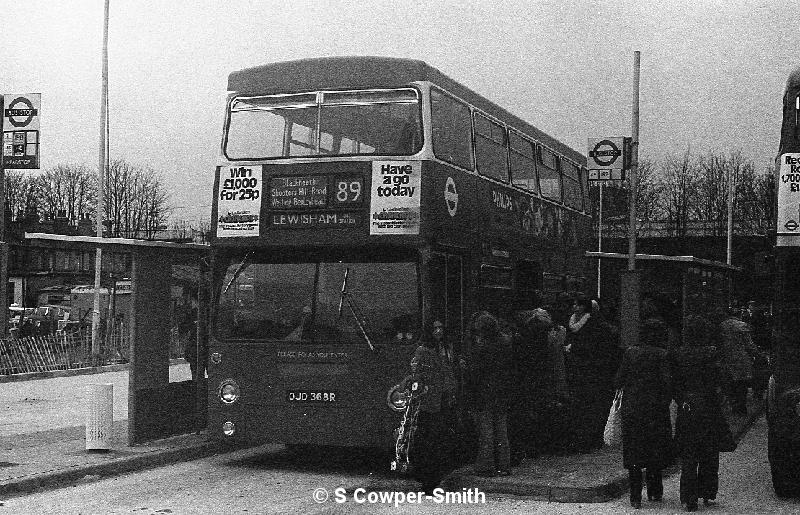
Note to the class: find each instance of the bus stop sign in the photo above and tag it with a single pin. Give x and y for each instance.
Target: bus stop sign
(606, 160)
(21, 130)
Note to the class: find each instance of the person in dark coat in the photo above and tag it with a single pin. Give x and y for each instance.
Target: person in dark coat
(588, 351)
(644, 379)
(696, 379)
(735, 350)
(490, 369)
(534, 386)
(429, 456)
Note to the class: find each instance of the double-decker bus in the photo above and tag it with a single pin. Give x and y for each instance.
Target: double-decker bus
(783, 392)
(357, 200)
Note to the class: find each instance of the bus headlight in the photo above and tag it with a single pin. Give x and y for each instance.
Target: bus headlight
(228, 391)
(396, 399)
(228, 428)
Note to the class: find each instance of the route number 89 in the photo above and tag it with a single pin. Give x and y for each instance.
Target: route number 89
(348, 191)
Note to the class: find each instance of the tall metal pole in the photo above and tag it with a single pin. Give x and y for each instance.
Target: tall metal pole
(634, 164)
(599, 239)
(731, 191)
(729, 252)
(101, 172)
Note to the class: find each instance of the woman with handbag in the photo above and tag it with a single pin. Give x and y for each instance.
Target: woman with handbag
(700, 425)
(644, 379)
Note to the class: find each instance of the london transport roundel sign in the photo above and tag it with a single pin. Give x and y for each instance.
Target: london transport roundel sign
(451, 196)
(605, 153)
(20, 112)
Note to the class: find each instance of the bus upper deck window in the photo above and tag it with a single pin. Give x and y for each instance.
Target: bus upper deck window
(325, 123)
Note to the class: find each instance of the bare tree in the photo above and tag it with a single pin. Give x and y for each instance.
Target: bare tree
(679, 183)
(137, 204)
(649, 194)
(755, 202)
(20, 193)
(68, 188)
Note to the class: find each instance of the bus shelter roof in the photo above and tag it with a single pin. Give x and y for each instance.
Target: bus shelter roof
(690, 260)
(130, 243)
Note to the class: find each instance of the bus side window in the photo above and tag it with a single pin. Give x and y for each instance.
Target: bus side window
(491, 148)
(549, 178)
(451, 125)
(522, 162)
(571, 179)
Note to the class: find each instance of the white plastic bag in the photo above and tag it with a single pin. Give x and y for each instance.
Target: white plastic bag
(612, 435)
(673, 415)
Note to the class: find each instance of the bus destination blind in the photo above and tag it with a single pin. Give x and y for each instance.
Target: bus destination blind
(310, 201)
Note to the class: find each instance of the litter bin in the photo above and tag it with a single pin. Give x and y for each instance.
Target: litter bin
(99, 416)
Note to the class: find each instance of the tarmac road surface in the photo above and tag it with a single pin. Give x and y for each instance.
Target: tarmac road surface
(268, 479)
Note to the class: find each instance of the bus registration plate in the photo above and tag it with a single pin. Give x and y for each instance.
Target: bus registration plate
(310, 396)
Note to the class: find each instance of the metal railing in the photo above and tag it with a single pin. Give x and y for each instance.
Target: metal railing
(65, 350)
(60, 351)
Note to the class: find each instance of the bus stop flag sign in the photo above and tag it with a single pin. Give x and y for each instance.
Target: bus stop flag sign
(788, 227)
(605, 161)
(21, 130)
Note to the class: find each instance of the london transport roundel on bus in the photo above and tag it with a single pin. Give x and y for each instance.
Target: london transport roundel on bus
(451, 196)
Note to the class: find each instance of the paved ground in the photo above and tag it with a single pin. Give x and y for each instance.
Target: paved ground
(58, 402)
(42, 441)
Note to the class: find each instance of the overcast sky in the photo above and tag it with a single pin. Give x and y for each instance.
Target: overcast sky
(712, 73)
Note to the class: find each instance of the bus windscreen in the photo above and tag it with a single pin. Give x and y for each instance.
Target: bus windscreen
(312, 302)
(385, 122)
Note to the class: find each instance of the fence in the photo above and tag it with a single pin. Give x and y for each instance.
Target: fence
(60, 351)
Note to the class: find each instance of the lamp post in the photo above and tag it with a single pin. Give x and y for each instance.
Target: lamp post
(101, 172)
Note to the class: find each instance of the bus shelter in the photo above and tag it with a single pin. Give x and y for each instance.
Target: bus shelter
(675, 286)
(157, 406)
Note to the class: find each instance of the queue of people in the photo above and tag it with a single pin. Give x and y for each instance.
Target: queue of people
(537, 384)
(543, 384)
